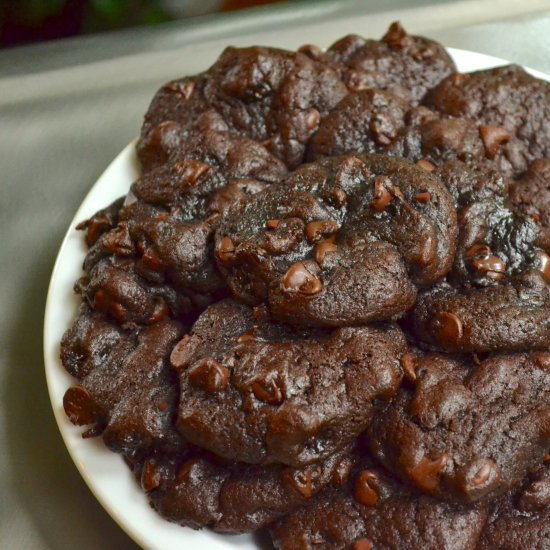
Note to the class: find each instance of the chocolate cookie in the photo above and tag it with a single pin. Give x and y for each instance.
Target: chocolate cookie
(521, 520)
(345, 241)
(501, 265)
(376, 121)
(158, 259)
(126, 390)
(273, 96)
(373, 511)
(367, 121)
(259, 392)
(113, 287)
(208, 153)
(531, 193)
(175, 108)
(198, 490)
(466, 431)
(509, 317)
(407, 66)
(509, 105)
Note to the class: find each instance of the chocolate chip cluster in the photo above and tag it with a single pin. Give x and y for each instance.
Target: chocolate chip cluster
(324, 306)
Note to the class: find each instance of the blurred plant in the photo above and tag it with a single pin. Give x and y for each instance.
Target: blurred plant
(23, 21)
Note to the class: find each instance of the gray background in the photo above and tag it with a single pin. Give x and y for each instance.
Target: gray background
(66, 110)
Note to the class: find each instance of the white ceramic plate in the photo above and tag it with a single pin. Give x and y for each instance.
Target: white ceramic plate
(105, 473)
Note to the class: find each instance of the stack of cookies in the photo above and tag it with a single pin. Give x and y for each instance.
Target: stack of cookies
(324, 307)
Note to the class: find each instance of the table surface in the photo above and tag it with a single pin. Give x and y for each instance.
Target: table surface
(66, 110)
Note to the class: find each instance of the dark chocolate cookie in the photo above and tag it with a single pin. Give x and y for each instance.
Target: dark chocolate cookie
(509, 317)
(198, 489)
(367, 121)
(158, 258)
(378, 122)
(344, 241)
(531, 193)
(466, 431)
(407, 66)
(177, 106)
(273, 96)
(509, 105)
(521, 520)
(259, 392)
(225, 155)
(374, 512)
(501, 266)
(126, 390)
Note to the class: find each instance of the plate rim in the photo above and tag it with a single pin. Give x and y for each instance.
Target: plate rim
(54, 369)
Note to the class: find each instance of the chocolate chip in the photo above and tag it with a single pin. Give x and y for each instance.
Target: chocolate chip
(478, 251)
(426, 165)
(395, 36)
(383, 128)
(185, 469)
(95, 226)
(484, 473)
(267, 390)
(341, 472)
(180, 355)
(299, 279)
(161, 131)
(363, 544)
(322, 249)
(543, 261)
(150, 477)
(102, 301)
(492, 267)
(493, 137)
(209, 375)
(192, 170)
(426, 472)
(300, 481)
(315, 231)
(79, 406)
(160, 311)
(186, 89)
(408, 364)
(457, 79)
(247, 336)
(424, 252)
(338, 197)
(365, 490)
(382, 196)
(269, 143)
(272, 224)
(118, 241)
(424, 197)
(312, 51)
(162, 406)
(313, 117)
(226, 250)
(150, 262)
(449, 327)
